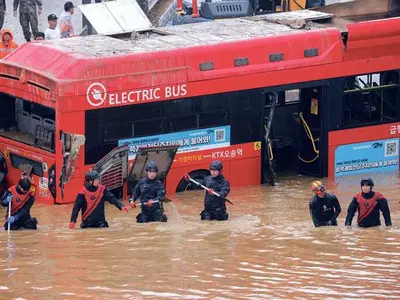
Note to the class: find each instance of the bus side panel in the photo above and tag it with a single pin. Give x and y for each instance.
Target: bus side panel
(241, 164)
(17, 154)
(359, 135)
(245, 172)
(72, 123)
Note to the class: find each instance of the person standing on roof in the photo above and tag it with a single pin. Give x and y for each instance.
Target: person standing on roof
(52, 32)
(324, 207)
(91, 200)
(67, 29)
(28, 15)
(38, 36)
(22, 198)
(368, 204)
(214, 206)
(7, 43)
(151, 193)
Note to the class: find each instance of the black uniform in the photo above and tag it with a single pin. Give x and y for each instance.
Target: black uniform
(324, 210)
(373, 218)
(214, 206)
(97, 218)
(150, 189)
(24, 219)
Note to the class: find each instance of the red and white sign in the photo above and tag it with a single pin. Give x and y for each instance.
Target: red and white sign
(98, 95)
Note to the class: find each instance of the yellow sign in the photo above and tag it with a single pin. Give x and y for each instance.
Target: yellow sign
(257, 146)
(314, 106)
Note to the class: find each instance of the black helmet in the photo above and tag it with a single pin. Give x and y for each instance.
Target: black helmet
(216, 165)
(367, 181)
(151, 166)
(92, 175)
(25, 184)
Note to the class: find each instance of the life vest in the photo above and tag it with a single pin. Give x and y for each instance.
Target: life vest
(92, 199)
(18, 201)
(366, 206)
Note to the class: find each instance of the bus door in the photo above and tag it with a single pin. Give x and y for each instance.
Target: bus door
(312, 144)
(113, 170)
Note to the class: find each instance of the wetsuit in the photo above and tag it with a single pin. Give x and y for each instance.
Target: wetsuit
(21, 205)
(214, 206)
(368, 206)
(90, 200)
(150, 189)
(324, 210)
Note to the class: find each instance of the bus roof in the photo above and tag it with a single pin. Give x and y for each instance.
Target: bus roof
(95, 56)
(170, 38)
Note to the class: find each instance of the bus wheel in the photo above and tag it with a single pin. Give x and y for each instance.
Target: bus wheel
(197, 175)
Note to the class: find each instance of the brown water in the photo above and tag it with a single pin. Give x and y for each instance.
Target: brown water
(268, 249)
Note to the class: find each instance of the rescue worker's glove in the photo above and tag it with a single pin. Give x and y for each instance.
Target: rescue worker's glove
(9, 199)
(124, 208)
(72, 225)
(132, 203)
(211, 191)
(12, 219)
(149, 203)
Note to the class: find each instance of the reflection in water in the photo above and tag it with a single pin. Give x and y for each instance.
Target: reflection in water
(269, 248)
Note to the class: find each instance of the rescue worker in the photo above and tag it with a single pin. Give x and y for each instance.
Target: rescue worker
(26, 172)
(7, 43)
(214, 206)
(324, 207)
(28, 15)
(22, 198)
(151, 193)
(368, 204)
(90, 200)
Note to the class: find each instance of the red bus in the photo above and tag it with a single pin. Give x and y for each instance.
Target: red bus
(208, 89)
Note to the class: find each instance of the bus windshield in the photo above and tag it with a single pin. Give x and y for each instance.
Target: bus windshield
(27, 122)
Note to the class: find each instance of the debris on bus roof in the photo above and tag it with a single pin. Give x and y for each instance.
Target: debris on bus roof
(116, 17)
(181, 36)
(306, 15)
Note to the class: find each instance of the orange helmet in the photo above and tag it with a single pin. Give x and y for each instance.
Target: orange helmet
(317, 186)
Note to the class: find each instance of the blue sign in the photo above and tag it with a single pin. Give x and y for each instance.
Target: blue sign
(188, 141)
(374, 156)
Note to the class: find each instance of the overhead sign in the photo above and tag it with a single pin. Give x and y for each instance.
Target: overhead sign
(373, 156)
(188, 141)
(98, 95)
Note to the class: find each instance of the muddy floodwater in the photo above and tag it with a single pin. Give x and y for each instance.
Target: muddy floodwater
(268, 249)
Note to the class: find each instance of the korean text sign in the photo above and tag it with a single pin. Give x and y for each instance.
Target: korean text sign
(188, 141)
(373, 156)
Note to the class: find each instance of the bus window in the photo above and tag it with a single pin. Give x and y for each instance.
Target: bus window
(27, 122)
(108, 126)
(18, 161)
(370, 99)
